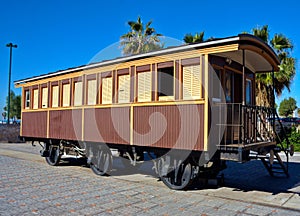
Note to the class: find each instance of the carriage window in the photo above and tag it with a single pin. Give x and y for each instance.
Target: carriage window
(191, 82)
(107, 90)
(66, 95)
(27, 99)
(77, 93)
(92, 92)
(144, 86)
(166, 83)
(35, 99)
(228, 87)
(215, 85)
(44, 97)
(248, 92)
(55, 94)
(124, 88)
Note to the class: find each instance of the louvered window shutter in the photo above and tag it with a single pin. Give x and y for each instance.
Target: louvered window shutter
(196, 82)
(77, 93)
(66, 95)
(191, 82)
(44, 97)
(144, 86)
(107, 90)
(124, 88)
(55, 96)
(92, 92)
(35, 99)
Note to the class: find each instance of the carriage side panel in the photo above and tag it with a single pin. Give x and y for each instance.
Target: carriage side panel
(34, 124)
(170, 126)
(65, 124)
(108, 125)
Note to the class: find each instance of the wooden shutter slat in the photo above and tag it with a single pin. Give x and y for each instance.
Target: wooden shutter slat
(35, 99)
(144, 86)
(55, 96)
(77, 93)
(107, 90)
(44, 97)
(124, 88)
(66, 95)
(92, 92)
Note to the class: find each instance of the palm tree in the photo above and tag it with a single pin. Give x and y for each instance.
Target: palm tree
(197, 38)
(283, 78)
(140, 39)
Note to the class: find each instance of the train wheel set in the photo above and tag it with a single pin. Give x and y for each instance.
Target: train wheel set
(175, 172)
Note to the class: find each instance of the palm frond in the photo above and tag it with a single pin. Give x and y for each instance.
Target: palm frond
(188, 38)
(280, 43)
(262, 33)
(140, 38)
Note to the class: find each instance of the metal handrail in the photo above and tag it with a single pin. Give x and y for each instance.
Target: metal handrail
(247, 124)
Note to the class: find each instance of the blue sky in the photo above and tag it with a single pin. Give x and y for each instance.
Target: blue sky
(58, 34)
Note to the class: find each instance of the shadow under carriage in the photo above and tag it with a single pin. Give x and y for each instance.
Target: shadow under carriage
(253, 176)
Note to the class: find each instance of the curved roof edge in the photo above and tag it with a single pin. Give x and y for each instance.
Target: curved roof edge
(216, 42)
(265, 48)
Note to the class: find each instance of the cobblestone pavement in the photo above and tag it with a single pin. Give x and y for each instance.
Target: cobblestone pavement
(28, 186)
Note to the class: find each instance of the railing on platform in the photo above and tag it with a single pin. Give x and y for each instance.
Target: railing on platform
(246, 124)
(251, 128)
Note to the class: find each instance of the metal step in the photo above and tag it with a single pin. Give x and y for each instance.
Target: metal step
(279, 172)
(277, 166)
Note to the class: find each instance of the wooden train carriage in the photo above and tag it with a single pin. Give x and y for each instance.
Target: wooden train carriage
(186, 106)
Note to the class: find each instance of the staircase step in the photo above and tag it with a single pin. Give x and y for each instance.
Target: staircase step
(279, 172)
(276, 167)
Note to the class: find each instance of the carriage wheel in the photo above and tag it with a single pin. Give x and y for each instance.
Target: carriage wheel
(101, 163)
(126, 162)
(176, 175)
(54, 155)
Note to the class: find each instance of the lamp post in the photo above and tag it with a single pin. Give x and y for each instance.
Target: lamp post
(10, 45)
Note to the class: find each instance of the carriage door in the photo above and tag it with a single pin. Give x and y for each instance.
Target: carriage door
(235, 111)
(249, 92)
(217, 104)
(229, 97)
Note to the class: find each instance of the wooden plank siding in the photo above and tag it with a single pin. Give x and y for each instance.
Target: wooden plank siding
(65, 124)
(179, 127)
(34, 124)
(108, 125)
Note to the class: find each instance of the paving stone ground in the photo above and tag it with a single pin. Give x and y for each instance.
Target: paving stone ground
(28, 186)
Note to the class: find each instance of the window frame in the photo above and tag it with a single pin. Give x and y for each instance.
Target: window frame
(195, 63)
(56, 84)
(87, 92)
(76, 103)
(27, 98)
(63, 83)
(35, 97)
(138, 84)
(43, 87)
(160, 70)
(101, 87)
(126, 90)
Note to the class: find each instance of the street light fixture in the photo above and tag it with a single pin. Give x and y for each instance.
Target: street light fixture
(10, 45)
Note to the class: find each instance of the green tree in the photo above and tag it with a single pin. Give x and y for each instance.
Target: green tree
(197, 38)
(299, 112)
(140, 38)
(15, 105)
(283, 78)
(287, 107)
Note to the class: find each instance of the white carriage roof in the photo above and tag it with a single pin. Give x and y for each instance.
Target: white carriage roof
(253, 60)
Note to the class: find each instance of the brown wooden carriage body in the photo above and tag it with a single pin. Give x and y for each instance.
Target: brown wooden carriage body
(158, 101)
